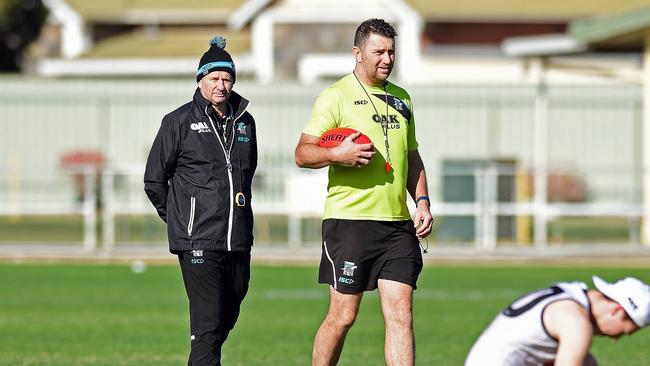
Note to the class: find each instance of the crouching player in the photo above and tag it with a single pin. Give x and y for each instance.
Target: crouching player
(555, 325)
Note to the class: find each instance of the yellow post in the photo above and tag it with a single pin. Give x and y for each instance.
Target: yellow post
(522, 194)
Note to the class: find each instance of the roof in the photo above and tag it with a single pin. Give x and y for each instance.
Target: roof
(201, 11)
(541, 45)
(618, 31)
(518, 10)
(621, 30)
(176, 43)
(329, 11)
(156, 11)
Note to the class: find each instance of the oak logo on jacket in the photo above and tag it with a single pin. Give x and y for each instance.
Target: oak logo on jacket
(200, 126)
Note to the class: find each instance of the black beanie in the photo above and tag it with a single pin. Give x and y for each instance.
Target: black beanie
(216, 58)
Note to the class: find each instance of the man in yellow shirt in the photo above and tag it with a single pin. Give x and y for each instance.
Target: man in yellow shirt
(369, 239)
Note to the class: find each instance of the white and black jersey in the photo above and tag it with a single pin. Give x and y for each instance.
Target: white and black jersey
(517, 336)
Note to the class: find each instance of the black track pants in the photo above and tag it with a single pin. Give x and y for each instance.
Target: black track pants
(216, 282)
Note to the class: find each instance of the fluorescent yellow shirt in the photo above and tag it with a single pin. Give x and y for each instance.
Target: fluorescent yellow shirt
(367, 193)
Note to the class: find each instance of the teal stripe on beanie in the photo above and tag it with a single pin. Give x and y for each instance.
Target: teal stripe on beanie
(217, 64)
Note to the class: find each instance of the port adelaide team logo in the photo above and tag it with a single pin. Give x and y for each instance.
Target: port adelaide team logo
(241, 130)
(348, 272)
(397, 105)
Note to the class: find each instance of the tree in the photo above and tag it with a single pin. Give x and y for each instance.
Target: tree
(20, 24)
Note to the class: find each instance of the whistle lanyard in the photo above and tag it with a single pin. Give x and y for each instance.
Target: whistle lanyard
(240, 198)
(383, 122)
(223, 123)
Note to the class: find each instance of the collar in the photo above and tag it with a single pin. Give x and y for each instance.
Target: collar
(237, 102)
(385, 85)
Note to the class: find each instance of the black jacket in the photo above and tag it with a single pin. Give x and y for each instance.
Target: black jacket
(189, 181)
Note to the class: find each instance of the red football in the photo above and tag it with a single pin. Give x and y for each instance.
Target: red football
(335, 136)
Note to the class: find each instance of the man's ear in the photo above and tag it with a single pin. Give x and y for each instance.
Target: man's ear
(356, 51)
(617, 309)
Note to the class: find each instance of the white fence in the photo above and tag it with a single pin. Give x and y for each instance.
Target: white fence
(492, 215)
(592, 134)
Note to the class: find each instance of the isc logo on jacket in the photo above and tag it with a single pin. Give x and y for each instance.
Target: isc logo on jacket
(200, 126)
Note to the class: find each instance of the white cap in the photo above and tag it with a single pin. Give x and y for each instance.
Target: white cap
(632, 294)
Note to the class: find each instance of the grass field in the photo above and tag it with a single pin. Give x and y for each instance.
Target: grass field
(72, 315)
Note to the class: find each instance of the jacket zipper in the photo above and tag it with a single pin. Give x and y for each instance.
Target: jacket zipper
(229, 166)
(190, 224)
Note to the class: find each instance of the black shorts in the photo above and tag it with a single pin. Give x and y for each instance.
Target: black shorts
(357, 253)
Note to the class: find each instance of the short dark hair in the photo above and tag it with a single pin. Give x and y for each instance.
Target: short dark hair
(374, 25)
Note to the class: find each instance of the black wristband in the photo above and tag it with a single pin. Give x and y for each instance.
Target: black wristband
(422, 198)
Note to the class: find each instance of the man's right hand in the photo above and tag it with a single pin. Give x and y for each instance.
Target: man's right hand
(351, 154)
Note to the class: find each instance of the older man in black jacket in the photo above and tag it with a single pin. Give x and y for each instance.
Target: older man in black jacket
(198, 176)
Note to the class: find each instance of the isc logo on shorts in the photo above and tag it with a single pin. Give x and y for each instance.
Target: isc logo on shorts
(348, 281)
(197, 260)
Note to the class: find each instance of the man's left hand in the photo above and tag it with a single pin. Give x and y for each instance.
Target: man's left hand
(423, 221)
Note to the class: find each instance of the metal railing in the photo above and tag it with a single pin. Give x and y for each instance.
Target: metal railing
(298, 195)
(16, 204)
